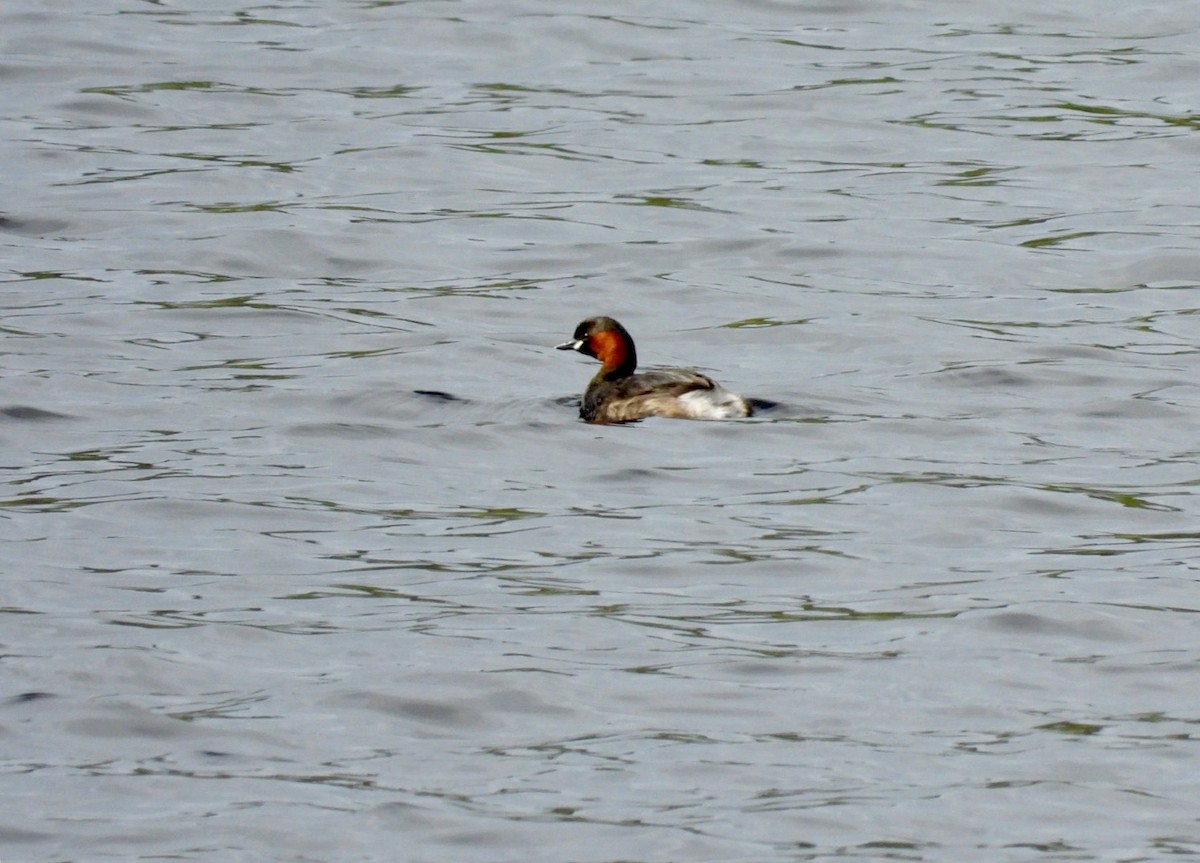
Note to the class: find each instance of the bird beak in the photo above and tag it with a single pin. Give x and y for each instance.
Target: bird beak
(573, 345)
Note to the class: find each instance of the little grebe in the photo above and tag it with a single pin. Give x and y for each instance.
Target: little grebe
(617, 395)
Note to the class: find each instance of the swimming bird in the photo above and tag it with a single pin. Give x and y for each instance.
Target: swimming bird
(617, 395)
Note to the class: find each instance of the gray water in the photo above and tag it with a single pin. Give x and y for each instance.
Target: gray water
(309, 558)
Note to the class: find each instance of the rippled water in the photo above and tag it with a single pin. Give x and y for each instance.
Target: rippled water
(309, 557)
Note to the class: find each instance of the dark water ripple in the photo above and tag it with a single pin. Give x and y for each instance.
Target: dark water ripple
(309, 558)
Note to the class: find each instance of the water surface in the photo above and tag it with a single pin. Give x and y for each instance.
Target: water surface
(309, 558)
